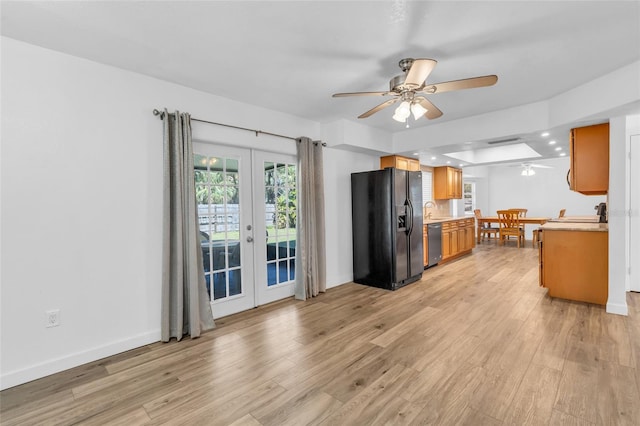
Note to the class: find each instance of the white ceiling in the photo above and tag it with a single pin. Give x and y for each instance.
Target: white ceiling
(291, 56)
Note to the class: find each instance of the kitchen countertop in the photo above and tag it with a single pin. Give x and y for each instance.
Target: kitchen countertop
(575, 226)
(593, 219)
(442, 219)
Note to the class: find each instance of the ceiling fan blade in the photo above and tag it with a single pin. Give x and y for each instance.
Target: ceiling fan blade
(467, 83)
(340, 95)
(379, 107)
(540, 166)
(432, 110)
(419, 71)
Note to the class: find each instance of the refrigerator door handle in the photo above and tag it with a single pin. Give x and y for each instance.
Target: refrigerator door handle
(410, 228)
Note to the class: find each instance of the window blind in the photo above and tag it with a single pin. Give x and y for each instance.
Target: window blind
(427, 178)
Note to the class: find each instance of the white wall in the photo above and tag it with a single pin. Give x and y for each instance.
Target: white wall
(81, 203)
(620, 187)
(81, 171)
(338, 166)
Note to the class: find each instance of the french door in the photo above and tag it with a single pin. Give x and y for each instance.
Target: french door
(247, 216)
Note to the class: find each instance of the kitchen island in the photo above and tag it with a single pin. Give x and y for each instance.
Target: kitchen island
(573, 260)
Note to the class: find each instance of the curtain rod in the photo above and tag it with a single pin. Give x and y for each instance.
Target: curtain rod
(257, 132)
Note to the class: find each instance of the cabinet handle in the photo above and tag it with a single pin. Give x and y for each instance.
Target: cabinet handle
(568, 182)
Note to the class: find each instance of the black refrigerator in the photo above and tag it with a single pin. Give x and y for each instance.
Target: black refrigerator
(386, 208)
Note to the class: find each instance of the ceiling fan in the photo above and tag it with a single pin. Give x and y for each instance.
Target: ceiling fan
(409, 89)
(527, 168)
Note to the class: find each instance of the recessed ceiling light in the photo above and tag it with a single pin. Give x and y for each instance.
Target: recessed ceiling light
(433, 158)
(552, 142)
(562, 154)
(545, 134)
(559, 148)
(461, 165)
(448, 162)
(415, 153)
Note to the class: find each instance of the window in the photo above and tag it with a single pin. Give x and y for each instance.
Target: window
(427, 178)
(469, 197)
(281, 202)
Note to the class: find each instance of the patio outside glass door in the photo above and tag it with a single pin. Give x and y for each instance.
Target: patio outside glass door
(223, 194)
(247, 205)
(275, 190)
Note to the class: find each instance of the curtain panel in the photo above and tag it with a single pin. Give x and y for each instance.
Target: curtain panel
(310, 246)
(185, 305)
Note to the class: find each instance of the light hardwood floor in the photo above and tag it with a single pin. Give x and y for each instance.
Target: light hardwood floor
(475, 342)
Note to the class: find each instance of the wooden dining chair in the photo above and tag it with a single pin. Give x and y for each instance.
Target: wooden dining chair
(521, 212)
(486, 228)
(509, 221)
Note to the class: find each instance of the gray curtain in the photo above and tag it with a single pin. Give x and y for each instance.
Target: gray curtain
(185, 305)
(310, 244)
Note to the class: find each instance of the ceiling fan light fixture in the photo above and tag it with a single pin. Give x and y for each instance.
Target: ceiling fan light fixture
(398, 118)
(402, 112)
(413, 82)
(528, 171)
(417, 110)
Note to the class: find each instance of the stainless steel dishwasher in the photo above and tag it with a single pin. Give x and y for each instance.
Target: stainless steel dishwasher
(434, 241)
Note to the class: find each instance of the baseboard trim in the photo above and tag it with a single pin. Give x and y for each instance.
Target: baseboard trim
(619, 309)
(339, 280)
(37, 371)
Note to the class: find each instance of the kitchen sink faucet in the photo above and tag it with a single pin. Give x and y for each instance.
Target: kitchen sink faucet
(426, 207)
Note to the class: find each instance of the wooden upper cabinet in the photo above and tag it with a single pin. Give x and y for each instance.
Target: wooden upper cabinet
(400, 162)
(589, 146)
(447, 183)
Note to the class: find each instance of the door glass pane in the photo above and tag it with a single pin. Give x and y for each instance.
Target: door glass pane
(280, 220)
(217, 195)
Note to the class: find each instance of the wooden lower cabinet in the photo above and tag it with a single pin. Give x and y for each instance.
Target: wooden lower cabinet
(457, 238)
(449, 239)
(574, 265)
(425, 245)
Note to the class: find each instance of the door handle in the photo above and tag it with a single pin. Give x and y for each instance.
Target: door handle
(249, 239)
(410, 228)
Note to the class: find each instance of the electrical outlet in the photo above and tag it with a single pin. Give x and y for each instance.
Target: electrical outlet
(52, 318)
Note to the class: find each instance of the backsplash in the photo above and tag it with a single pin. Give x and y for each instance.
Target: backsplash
(442, 208)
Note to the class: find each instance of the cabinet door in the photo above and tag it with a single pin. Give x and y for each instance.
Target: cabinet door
(402, 163)
(451, 183)
(454, 242)
(540, 257)
(425, 246)
(446, 243)
(575, 265)
(589, 149)
(462, 240)
(447, 183)
(413, 165)
(471, 230)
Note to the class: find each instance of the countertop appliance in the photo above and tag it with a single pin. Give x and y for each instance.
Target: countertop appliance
(434, 239)
(386, 208)
(601, 210)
